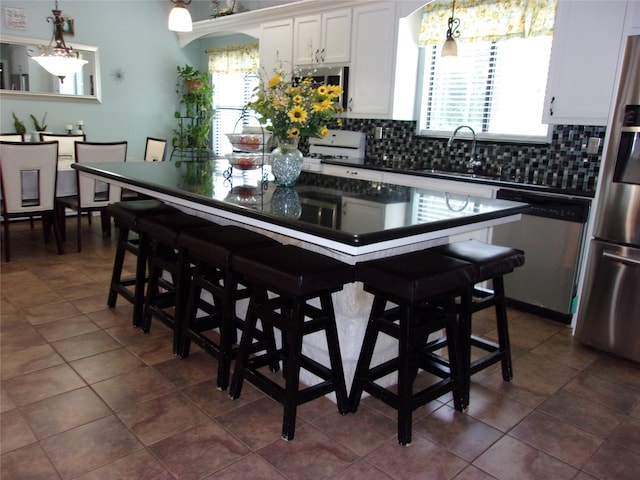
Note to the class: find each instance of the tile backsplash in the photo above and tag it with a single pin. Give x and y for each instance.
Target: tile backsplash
(562, 164)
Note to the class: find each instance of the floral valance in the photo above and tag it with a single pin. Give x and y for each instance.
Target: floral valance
(488, 20)
(234, 59)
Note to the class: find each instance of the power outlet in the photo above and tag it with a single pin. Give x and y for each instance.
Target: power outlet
(379, 133)
(593, 145)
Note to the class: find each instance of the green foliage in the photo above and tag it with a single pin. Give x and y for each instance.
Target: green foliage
(196, 109)
(18, 125)
(39, 126)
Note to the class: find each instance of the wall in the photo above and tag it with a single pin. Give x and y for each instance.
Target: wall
(132, 36)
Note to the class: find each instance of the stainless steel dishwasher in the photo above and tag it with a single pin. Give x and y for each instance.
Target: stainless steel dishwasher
(552, 235)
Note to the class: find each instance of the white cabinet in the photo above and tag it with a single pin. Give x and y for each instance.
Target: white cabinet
(352, 172)
(322, 38)
(373, 41)
(362, 215)
(276, 46)
(583, 62)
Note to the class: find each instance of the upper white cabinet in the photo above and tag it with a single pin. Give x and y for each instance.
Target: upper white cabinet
(276, 49)
(322, 38)
(583, 63)
(371, 74)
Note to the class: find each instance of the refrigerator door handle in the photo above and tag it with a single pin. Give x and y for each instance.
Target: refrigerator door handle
(622, 259)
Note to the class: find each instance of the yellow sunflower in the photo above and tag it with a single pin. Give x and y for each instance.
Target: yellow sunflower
(298, 114)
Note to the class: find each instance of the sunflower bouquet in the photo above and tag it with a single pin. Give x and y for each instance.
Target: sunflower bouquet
(293, 107)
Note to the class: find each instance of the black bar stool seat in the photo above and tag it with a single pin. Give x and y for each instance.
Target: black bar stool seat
(210, 250)
(163, 231)
(293, 276)
(126, 215)
(492, 262)
(404, 287)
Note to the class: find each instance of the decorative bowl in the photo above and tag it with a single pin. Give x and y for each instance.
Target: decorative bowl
(248, 142)
(247, 161)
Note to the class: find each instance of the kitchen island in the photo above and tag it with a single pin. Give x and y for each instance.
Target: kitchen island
(418, 219)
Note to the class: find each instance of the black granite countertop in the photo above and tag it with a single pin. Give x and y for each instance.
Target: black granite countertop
(207, 186)
(517, 182)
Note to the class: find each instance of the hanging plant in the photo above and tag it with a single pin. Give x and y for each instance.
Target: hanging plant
(196, 112)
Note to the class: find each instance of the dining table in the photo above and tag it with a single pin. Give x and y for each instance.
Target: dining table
(250, 198)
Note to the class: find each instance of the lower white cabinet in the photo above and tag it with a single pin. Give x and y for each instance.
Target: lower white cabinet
(352, 172)
(362, 215)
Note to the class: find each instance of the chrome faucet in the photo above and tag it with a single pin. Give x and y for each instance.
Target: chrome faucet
(473, 163)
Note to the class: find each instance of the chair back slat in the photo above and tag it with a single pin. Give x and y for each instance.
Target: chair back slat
(66, 143)
(91, 192)
(155, 150)
(37, 161)
(11, 137)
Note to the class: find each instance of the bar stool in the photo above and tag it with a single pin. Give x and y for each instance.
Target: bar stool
(210, 250)
(492, 262)
(294, 276)
(126, 216)
(403, 287)
(163, 231)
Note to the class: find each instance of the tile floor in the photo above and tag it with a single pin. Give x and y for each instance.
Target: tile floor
(84, 395)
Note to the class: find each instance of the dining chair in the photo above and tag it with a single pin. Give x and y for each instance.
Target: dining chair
(39, 160)
(11, 137)
(66, 143)
(155, 149)
(93, 195)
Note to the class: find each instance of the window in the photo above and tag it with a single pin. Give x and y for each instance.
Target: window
(231, 93)
(497, 82)
(234, 72)
(497, 88)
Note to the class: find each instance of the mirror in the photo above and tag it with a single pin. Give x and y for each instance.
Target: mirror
(20, 75)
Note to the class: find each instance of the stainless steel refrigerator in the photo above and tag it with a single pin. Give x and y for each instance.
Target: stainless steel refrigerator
(609, 313)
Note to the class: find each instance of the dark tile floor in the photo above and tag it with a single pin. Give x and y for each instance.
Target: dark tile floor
(84, 395)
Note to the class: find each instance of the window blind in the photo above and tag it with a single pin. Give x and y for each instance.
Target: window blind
(495, 87)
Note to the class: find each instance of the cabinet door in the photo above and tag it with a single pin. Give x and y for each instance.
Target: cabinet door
(372, 60)
(336, 37)
(322, 38)
(306, 39)
(583, 62)
(352, 172)
(276, 40)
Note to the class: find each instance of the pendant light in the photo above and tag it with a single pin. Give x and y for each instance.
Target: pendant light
(59, 60)
(180, 18)
(450, 48)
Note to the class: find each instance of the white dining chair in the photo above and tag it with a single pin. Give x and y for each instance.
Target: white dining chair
(39, 161)
(66, 144)
(11, 137)
(155, 149)
(93, 195)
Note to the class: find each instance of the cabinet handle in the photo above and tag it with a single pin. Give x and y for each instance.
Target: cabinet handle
(349, 106)
(315, 56)
(349, 172)
(553, 99)
(322, 55)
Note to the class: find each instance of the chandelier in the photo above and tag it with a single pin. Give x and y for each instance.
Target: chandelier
(59, 60)
(450, 49)
(180, 18)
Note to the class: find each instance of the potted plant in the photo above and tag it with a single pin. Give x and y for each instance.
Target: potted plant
(196, 112)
